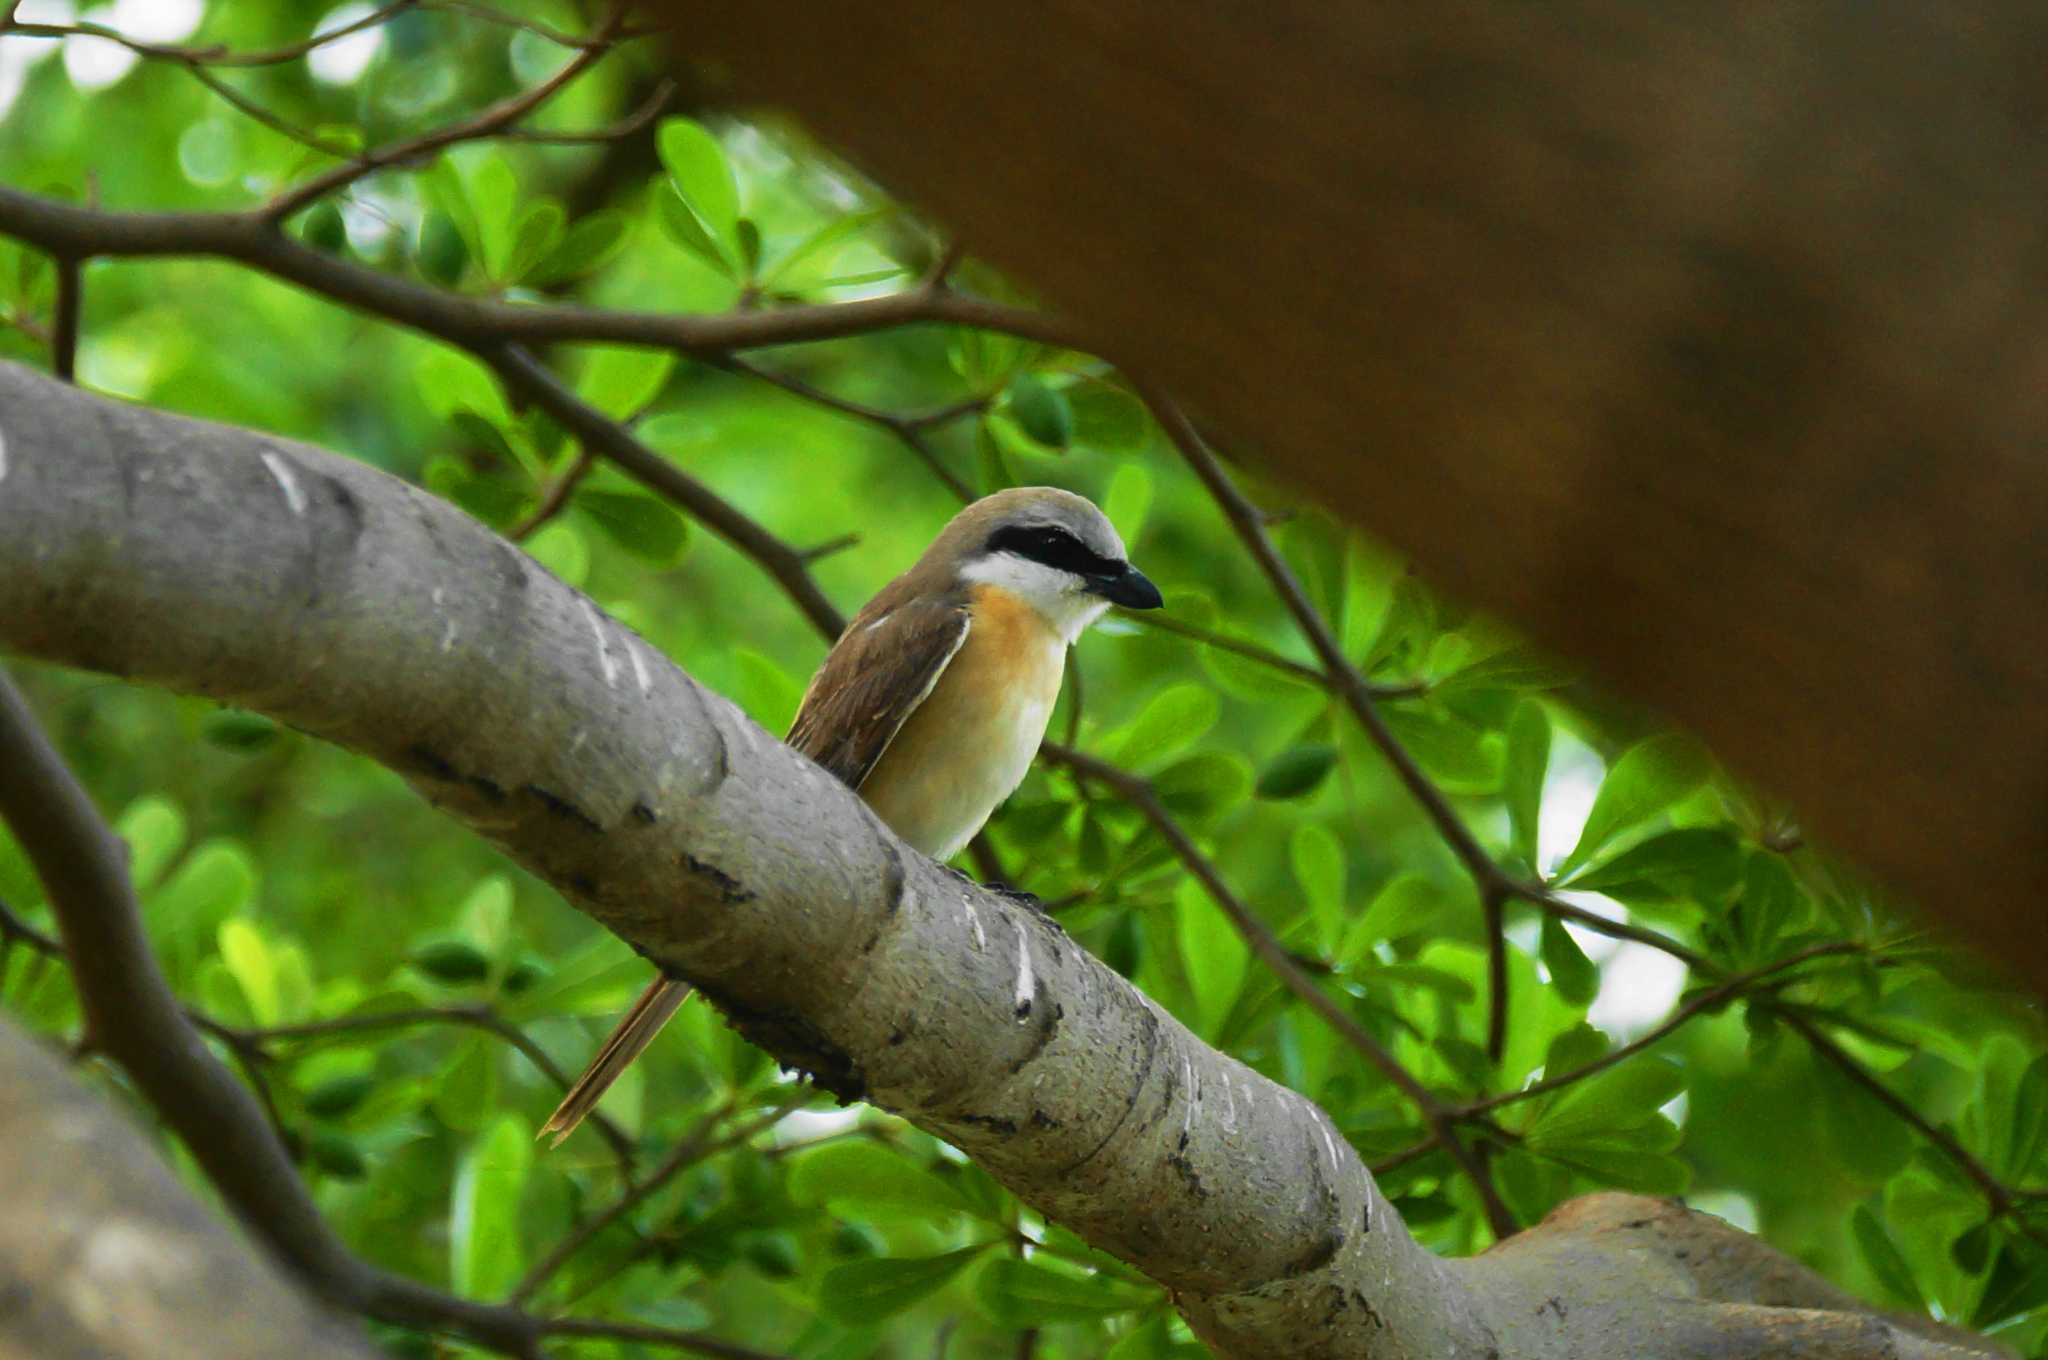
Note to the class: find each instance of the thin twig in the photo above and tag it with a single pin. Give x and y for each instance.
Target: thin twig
(650, 109)
(136, 1021)
(696, 1146)
(486, 123)
(555, 499)
(215, 55)
(1996, 1191)
(1705, 1002)
(64, 327)
(1138, 792)
(908, 429)
(474, 1017)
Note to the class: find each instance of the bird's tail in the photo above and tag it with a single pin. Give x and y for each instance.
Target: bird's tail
(627, 1042)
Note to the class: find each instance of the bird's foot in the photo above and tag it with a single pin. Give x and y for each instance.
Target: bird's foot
(1017, 895)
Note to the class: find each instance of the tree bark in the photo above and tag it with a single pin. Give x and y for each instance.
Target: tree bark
(104, 1256)
(358, 608)
(1702, 341)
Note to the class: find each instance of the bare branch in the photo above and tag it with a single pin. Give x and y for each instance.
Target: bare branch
(486, 123)
(64, 329)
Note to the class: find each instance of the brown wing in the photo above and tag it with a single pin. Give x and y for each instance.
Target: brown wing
(879, 671)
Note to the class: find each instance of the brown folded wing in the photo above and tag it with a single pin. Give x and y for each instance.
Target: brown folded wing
(881, 669)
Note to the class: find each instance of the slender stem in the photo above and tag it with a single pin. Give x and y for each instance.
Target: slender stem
(1138, 792)
(696, 1146)
(494, 119)
(64, 328)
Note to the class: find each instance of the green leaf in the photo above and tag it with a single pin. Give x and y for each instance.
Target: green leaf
(1151, 1340)
(618, 380)
(1041, 410)
(592, 243)
(441, 255)
(322, 229)
(494, 195)
(1297, 771)
(1571, 972)
(1768, 907)
(1214, 955)
(836, 231)
(539, 232)
(642, 525)
(1369, 576)
(1026, 1294)
(1972, 1250)
(1108, 418)
(450, 381)
(1618, 1100)
(1643, 1170)
(155, 831)
(232, 729)
(1518, 668)
(216, 881)
(1172, 720)
(452, 961)
(337, 1097)
(243, 949)
(1463, 758)
(774, 1254)
(1317, 857)
(1648, 778)
(483, 1225)
(1693, 863)
(703, 180)
(867, 1291)
(1406, 903)
(336, 1154)
(560, 548)
(1128, 499)
(849, 1178)
(769, 693)
(1528, 761)
(1204, 785)
(683, 227)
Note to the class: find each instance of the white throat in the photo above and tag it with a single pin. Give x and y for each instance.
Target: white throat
(1060, 597)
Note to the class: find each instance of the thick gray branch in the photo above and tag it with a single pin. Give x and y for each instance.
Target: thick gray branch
(276, 576)
(104, 1256)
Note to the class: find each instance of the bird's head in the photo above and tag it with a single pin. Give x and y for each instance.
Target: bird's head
(1053, 550)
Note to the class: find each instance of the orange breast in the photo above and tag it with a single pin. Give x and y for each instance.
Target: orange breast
(968, 745)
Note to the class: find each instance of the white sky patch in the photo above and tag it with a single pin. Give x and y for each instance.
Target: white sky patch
(1638, 987)
(156, 21)
(95, 63)
(801, 1126)
(1569, 788)
(343, 60)
(1738, 1209)
(281, 471)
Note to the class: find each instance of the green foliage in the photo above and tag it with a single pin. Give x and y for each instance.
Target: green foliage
(287, 885)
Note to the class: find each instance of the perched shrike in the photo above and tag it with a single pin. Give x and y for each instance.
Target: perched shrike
(935, 698)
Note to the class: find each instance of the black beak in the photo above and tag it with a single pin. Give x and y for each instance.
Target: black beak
(1128, 587)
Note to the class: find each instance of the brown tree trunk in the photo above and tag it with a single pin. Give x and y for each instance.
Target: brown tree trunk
(1707, 342)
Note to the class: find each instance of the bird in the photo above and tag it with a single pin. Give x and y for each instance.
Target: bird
(935, 698)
